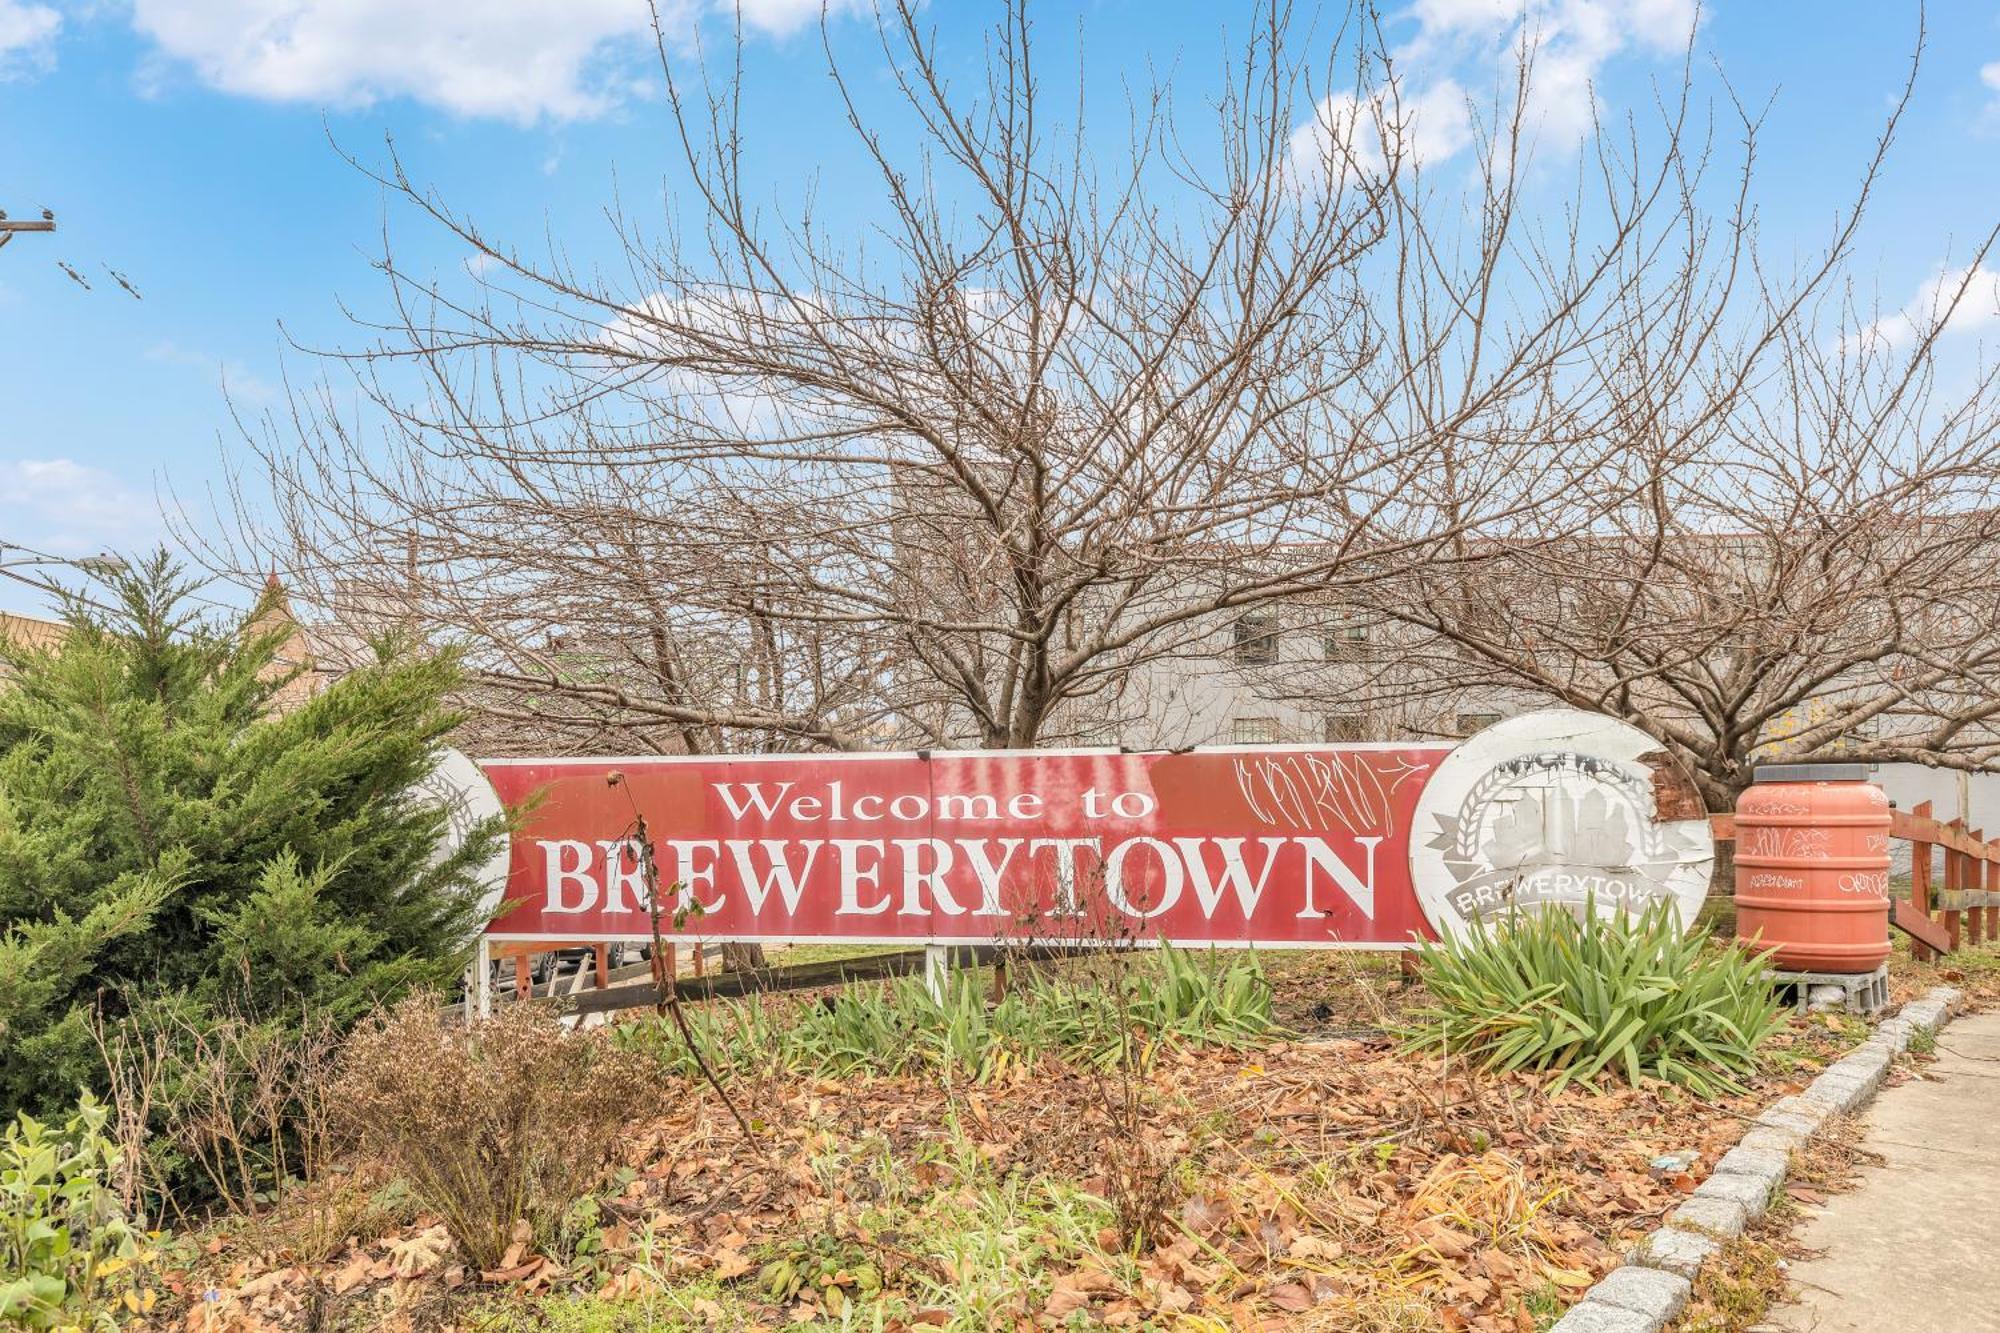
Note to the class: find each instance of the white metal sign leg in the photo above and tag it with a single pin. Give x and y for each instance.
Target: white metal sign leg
(484, 989)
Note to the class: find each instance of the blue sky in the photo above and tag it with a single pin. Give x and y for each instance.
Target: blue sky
(186, 144)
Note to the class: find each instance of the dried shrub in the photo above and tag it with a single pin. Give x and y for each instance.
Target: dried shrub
(318, 1220)
(218, 1107)
(508, 1121)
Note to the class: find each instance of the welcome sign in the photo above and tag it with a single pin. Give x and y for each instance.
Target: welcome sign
(1356, 846)
(1281, 846)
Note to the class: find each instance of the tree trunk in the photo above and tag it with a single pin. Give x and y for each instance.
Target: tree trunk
(1719, 910)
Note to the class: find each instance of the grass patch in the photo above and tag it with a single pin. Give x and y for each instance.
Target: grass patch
(1090, 1014)
(1737, 1288)
(799, 955)
(683, 1308)
(948, 1233)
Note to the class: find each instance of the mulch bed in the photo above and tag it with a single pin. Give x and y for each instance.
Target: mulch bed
(1332, 1183)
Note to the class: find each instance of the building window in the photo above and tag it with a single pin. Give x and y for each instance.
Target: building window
(1255, 731)
(1346, 642)
(1342, 728)
(1471, 722)
(1257, 638)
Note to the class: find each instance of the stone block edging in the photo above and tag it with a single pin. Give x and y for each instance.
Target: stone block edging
(1651, 1288)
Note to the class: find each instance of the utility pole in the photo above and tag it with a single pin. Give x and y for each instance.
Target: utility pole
(8, 226)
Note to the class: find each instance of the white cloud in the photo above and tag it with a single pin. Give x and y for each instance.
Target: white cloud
(1466, 51)
(27, 37)
(67, 508)
(518, 60)
(781, 18)
(1951, 301)
(1345, 131)
(242, 384)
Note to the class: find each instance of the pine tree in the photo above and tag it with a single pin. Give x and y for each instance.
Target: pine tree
(167, 836)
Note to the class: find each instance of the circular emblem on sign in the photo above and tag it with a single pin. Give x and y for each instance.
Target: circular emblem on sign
(1558, 809)
(458, 784)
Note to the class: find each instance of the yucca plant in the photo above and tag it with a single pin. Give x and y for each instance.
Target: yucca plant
(1627, 994)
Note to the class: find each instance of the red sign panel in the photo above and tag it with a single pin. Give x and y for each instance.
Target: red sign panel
(1271, 845)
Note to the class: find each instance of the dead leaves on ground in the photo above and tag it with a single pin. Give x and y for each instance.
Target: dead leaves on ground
(1336, 1185)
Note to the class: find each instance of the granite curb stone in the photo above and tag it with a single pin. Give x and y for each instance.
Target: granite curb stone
(1716, 1216)
(1644, 1290)
(1744, 1161)
(1593, 1316)
(1753, 1192)
(1842, 1094)
(1673, 1250)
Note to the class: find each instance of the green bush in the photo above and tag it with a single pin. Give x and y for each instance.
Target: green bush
(1088, 1013)
(67, 1253)
(176, 828)
(1632, 995)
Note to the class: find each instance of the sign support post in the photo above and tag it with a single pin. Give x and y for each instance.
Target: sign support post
(484, 986)
(937, 964)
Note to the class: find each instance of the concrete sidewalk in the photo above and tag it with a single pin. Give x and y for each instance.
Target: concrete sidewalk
(1913, 1247)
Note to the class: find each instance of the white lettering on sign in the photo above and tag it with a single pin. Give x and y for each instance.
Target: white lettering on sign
(1143, 877)
(693, 876)
(1321, 857)
(622, 871)
(990, 875)
(567, 862)
(778, 873)
(1171, 877)
(1235, 875)
(916, 878)
(853, 874)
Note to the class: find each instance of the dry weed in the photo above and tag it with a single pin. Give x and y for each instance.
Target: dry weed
(508, 1121)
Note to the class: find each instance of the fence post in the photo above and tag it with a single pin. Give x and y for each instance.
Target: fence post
(1992, 878)
(1975, 901)
(937, 962)
(1920, 875)
(1954, 883)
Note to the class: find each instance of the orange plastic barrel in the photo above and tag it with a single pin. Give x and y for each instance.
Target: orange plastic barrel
(1812, 867)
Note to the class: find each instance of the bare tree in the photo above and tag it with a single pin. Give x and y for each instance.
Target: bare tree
(1055, 420)
(1800, 563)
(1818, 580)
